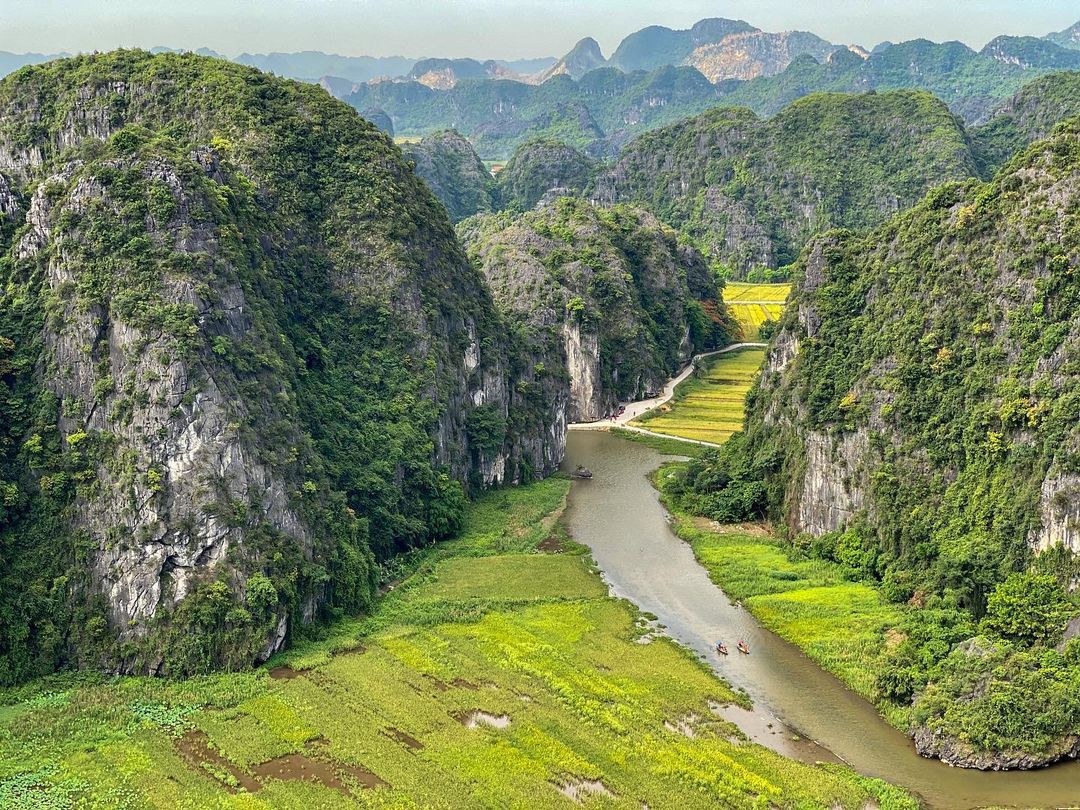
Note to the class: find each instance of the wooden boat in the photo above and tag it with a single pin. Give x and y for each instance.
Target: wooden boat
(743, 648)
(582, 472)
(721, 648)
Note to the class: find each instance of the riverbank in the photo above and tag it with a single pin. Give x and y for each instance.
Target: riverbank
(618, 514)
(841, 625)
(498, 673)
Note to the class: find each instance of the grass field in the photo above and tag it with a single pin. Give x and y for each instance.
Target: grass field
(493, 676)
(753, 304)
(708, 407)
(841, 625)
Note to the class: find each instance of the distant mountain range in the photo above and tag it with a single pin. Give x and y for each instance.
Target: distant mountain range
(655, 76)
(600, 109)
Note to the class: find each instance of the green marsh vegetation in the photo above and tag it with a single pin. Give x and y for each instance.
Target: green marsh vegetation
(492, 675)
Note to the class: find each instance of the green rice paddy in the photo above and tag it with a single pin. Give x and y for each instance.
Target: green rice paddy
(495, 675)
(709, 405)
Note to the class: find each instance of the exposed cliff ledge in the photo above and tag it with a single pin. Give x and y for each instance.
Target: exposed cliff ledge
(244, 355)
(959, 754)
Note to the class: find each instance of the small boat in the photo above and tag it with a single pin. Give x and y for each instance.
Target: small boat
(721, 648)
(582, 472)
(743, 647)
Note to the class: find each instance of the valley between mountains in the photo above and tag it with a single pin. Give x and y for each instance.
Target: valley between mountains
(294, 510)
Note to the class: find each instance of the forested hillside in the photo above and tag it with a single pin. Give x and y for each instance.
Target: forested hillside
(1027, 117)
(451, 169)
(917, 424)
(750, 192)
(606, 300)
(242, 357)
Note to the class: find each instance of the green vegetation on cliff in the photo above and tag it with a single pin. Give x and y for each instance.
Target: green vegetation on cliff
(916, 424)
(453, 172)
(604, 298)
(492, 675)
(539, 167)
(750, 192)
(232, 335)
(1029, 116)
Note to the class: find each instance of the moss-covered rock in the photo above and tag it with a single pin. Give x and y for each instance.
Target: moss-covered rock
(240, 348)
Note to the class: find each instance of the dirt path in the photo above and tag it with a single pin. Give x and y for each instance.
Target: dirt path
(636, 409)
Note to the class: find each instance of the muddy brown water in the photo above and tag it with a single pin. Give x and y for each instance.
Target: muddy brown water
(618, 515)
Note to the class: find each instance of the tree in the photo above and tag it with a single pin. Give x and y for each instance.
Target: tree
(1028, 608)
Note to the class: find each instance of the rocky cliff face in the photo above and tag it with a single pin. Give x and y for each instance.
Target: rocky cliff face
(543, 169)
(243, 355)
(447, 163)
(751, 54)
(917, 417)
(1069, 38)
(750, 193)
(586, 56)
(867, 405)
(608, 304)
(1027, 117)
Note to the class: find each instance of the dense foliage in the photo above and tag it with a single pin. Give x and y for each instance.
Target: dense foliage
(749, 192)
(1027, 117)
(451, 169)
(937, 367)
(539, 167)
(216, 258)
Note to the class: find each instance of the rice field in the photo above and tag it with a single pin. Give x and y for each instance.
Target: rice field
(709, 407)
(754, 304)
(736, 291)
(496, 675)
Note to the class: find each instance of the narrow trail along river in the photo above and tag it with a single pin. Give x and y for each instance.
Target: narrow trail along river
(618, 515)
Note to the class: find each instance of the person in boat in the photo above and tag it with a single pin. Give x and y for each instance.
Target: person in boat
(721, 648)
(743, 647)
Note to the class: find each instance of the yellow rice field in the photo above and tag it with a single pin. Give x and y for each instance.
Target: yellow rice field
(753, 304)
(709, 407)
(736, 291)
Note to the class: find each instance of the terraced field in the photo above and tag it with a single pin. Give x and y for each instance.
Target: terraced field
(708, 407)
(753, 304)
(493, 676)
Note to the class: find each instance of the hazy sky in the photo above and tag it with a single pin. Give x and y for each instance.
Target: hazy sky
(490, 28)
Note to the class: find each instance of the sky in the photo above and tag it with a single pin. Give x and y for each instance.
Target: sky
(498, 29)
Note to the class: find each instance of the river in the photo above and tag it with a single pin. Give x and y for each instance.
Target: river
(619, 516)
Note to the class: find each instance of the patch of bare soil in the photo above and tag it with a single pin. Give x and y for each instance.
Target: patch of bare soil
(749, 529)
(407, 740)
(285, 673)
(552, 545)
(580, 789)
(195, 749)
